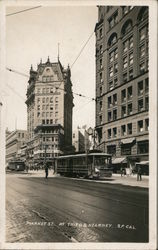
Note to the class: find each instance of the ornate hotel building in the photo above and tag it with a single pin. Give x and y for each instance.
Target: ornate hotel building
(49, 112)
(122, 82)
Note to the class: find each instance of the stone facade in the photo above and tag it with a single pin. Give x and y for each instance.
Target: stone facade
(122, 83)
(49, 112)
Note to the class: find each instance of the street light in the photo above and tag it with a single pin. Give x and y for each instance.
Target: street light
(90, 132)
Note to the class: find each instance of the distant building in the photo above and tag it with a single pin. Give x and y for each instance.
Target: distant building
(49, 112)
(122, 82)
(22, 152)
(14, 141)
(78, 141)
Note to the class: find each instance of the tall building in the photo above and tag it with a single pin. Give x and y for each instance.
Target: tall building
(14, 141)
(122, 83)
(49, 112)
(78, 141)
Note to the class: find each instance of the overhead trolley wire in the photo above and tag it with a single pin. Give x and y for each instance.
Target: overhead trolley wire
(48, 84)
(79, 108)
(82, 49)
(16, 92)
(17, 72)
(18, 12)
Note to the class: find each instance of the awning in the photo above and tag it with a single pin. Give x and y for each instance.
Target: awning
(128, 140)
(143, 163)
(143, 138)
(119, 160)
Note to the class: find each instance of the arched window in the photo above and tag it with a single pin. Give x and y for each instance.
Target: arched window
(143, 14)
(143, 39)
(112, 40)
(126, 27)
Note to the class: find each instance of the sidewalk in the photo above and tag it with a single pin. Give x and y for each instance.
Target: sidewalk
(130, 180)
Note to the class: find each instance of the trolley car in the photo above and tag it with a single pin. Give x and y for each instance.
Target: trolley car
(17, 165)
(92, 165)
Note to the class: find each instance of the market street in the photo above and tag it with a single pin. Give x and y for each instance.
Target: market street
(68, 210)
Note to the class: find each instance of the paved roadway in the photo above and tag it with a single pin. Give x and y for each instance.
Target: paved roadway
(67, 210)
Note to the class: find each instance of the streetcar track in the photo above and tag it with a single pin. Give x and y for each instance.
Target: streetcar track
(103, 195)
(108, 211)
(61, 211)
(96, 207)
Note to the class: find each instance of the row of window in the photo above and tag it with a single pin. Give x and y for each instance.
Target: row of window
(49, 121)
(143, 104)
(50, 131)
(48, 78)
(114, 19)
(21, 135)
(47, 99)
(47, 114)
(127, 73)
(47, 155)
(127, 94)
(142, 148)
(142, 88)
(50, 139)
(127, 27)
(128, 58)
(142, 125)
(128, 55)
(51, 90)
(48, 107)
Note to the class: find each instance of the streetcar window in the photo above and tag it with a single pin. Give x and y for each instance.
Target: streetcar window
(102, 162)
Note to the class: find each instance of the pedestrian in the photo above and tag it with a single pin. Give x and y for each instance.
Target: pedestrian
(139, 174)
(121, 171)
(46, 171)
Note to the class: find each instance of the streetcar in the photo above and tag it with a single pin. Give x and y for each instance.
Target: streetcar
(16, 165)
(91, 165)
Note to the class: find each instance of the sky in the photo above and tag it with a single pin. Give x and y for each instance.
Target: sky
(34, 35)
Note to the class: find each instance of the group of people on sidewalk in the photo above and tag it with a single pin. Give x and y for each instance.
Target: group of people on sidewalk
(139, 173)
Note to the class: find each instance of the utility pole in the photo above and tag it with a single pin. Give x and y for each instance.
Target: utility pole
(58, 51)
(45, 155)
(91, 132)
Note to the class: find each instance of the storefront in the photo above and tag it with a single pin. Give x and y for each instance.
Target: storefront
(118, 163)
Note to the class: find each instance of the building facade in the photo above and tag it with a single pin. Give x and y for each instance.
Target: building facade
(49, 112)
(14, 141)
(122, 82)
(78, 141)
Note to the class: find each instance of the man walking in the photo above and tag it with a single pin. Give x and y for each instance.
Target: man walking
(139, 174)
(46, 170)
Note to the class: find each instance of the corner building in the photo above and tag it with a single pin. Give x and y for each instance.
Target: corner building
(49, 113)
(14, 141)
(122, 82)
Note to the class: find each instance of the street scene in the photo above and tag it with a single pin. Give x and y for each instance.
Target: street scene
(75, 210)
(77, 124)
